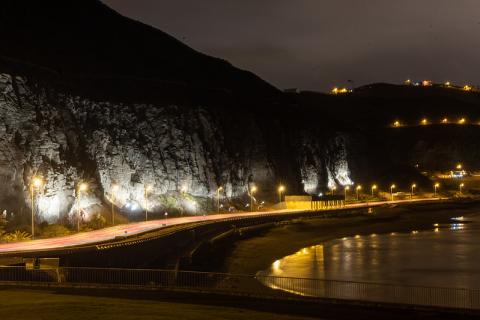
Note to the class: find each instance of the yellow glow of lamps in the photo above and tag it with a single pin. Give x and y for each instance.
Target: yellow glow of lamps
(462, 121)
(424, 121)
(37, 182)
(445, 120)
(83, 187)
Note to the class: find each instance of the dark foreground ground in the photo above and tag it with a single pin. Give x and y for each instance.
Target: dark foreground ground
(69, 304)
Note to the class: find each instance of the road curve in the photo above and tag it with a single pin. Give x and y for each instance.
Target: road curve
(108, 234)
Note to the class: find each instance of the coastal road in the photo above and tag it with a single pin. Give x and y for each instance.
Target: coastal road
(108, 234)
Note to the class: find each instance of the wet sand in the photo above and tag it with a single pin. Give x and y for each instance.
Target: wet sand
(250, 255)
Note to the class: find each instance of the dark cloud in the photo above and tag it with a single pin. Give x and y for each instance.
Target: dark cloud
(315, 44)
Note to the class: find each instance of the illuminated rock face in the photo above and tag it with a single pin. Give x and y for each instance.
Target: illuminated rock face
(67, 139)
(324, 165)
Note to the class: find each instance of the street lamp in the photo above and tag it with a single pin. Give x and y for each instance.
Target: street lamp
(358, 188)
(345, 190)
(183, 189)
(461, 186)
(333, 190)
(435, 187)
(218, 198)
(114, 197)
(252, 191)
(391, 190)
(374, 187)
(412, 190)
(281, 189)
(147, 189)
(81, 188)
(35, 185)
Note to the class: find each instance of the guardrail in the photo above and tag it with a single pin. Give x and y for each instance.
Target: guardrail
(259, 285)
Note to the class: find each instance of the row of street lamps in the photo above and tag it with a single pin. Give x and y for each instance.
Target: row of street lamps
(38, 182)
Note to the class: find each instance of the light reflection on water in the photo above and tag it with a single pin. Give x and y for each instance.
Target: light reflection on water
(445, 256)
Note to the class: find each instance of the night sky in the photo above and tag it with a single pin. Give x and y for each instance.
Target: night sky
(317, 44)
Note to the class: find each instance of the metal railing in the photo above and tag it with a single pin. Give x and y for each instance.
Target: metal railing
(259, 285)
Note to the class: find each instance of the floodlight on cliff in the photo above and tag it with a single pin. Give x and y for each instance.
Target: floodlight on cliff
(35, 185)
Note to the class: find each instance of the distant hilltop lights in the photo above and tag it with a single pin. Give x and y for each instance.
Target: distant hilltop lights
(425, 122)
(447, 84)
(337, 90)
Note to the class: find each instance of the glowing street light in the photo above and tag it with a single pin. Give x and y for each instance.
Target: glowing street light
(218, 198)
(374, 187)
(459, 166)
(252, 192)
(346, 190)
(467, 88)
(397, 124)
(82, 187)
(435, 187)
(461, 187)
(412, 190)
(281, 189)
(462, 121)
(147, 190)
(424, 121)
(391, 190)
(183, 189)
(114, 197)
(445, 120)
(36, 184)
(358, 188)
(333, 190)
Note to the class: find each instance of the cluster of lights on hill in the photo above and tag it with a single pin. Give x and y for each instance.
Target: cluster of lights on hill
(426, 122)
(424, 83)
(448, 84)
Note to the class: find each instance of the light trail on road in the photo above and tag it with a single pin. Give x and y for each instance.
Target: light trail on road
(132, 229)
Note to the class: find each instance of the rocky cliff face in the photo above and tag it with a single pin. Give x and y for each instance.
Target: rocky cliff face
(184, 153)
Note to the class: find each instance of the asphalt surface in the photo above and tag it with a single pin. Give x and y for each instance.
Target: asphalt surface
(108, 234)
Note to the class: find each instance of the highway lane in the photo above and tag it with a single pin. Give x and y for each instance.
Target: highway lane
(107, 234)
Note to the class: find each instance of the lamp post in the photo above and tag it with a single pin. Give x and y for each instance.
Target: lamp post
(346, 190)
(333, 190)
(435, 187)
(252, 191)
(147, 189)
(461, 186)
(374, 187)
(412, 190)
(358, 188)
(218, 198)
(35, 184)
(81, 188)
(281, 189)
(391, 190)
(114, 197)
